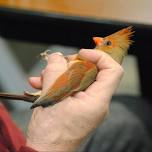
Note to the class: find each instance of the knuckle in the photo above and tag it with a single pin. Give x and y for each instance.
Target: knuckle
(117, 68)
(120, 69)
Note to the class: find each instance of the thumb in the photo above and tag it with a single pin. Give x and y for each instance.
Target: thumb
(100, 58)
(109, 74)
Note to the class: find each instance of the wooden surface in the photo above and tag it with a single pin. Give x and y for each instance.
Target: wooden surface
(139, 11)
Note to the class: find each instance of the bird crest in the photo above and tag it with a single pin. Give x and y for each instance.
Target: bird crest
(123, 37)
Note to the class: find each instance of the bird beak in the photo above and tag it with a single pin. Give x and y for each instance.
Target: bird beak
(97, 40)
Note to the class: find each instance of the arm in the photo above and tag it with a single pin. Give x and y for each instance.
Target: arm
(11, 137)
(64, 126)
(26, 149)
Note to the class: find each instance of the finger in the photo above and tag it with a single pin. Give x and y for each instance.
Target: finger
(55, 67)
(96, 56)
(109, 75)
(55, 57)
(35, 82)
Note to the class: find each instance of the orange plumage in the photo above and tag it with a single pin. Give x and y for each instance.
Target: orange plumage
(83, 73)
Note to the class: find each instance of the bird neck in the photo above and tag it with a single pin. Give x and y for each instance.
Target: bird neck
(118, 55)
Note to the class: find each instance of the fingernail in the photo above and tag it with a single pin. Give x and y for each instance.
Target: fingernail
(58, 53)
(56, 57)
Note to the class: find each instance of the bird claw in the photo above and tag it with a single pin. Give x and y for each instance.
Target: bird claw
(45, 55)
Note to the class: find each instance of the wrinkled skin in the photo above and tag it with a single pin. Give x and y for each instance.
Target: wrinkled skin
(65, 125)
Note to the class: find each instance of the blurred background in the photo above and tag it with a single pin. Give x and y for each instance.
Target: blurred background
(27, 29)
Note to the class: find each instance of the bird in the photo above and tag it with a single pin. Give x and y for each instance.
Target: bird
(81, 73)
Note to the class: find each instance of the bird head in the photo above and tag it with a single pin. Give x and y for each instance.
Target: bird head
(116, 44)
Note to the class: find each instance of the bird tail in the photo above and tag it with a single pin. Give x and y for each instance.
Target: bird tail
(34, 106)
(39, 102)
(42, 102)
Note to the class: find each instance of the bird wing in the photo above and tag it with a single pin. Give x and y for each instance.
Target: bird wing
(77, 78)
(88, 79)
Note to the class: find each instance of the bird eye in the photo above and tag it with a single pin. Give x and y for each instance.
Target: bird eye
(108, 43)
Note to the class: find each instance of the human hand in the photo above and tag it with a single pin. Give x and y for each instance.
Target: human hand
(62, 127)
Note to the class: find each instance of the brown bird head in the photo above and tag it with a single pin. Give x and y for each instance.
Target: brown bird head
(117, 44)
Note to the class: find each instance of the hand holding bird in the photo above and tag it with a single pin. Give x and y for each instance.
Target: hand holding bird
(64, 126)
(81, 73)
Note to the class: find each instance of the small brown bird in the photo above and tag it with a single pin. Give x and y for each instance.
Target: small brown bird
(82, 73)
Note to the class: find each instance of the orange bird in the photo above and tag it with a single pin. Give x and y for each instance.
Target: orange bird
(81, 73)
